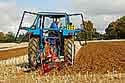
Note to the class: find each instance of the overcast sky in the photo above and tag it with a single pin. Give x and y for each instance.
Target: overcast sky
(100, 12)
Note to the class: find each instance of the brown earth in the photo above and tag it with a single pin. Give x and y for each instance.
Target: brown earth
(99, 58)
(5, 54)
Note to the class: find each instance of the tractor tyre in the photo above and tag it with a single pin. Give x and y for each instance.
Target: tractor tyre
(33, 49)
(69, 51)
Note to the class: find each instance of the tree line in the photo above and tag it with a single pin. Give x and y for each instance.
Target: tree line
(90, 32)
(10, 37)
(116, 29)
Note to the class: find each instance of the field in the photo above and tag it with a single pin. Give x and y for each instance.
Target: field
(102, 62)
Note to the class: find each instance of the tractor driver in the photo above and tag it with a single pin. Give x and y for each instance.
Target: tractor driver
(54, 25)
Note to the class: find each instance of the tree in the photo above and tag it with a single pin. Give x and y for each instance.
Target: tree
(1, 36)
(9, 37)
(90, 31)
(116, 29)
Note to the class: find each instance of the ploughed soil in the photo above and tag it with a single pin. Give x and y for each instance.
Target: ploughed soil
(99, 58)
(5, 54)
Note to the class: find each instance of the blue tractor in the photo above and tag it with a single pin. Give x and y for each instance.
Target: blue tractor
(51, 38)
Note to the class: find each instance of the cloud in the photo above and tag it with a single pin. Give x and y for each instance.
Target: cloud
(101, 12)
(8, 15)
(97, 7)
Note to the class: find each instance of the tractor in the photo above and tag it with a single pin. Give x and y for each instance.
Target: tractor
(51, 39)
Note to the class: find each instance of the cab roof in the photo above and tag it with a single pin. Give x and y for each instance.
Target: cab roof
(52, 14)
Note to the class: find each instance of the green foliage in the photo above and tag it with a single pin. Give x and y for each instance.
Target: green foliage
(22, 38)
(6, 38)
(1, 36)
(90, 32)
(116, 29)
(88, 26)
(9, 37)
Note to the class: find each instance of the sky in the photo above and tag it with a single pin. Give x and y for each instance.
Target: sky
(100, 12)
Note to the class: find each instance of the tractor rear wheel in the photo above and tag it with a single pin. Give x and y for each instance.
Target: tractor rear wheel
(69, 51)
(33, 50)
